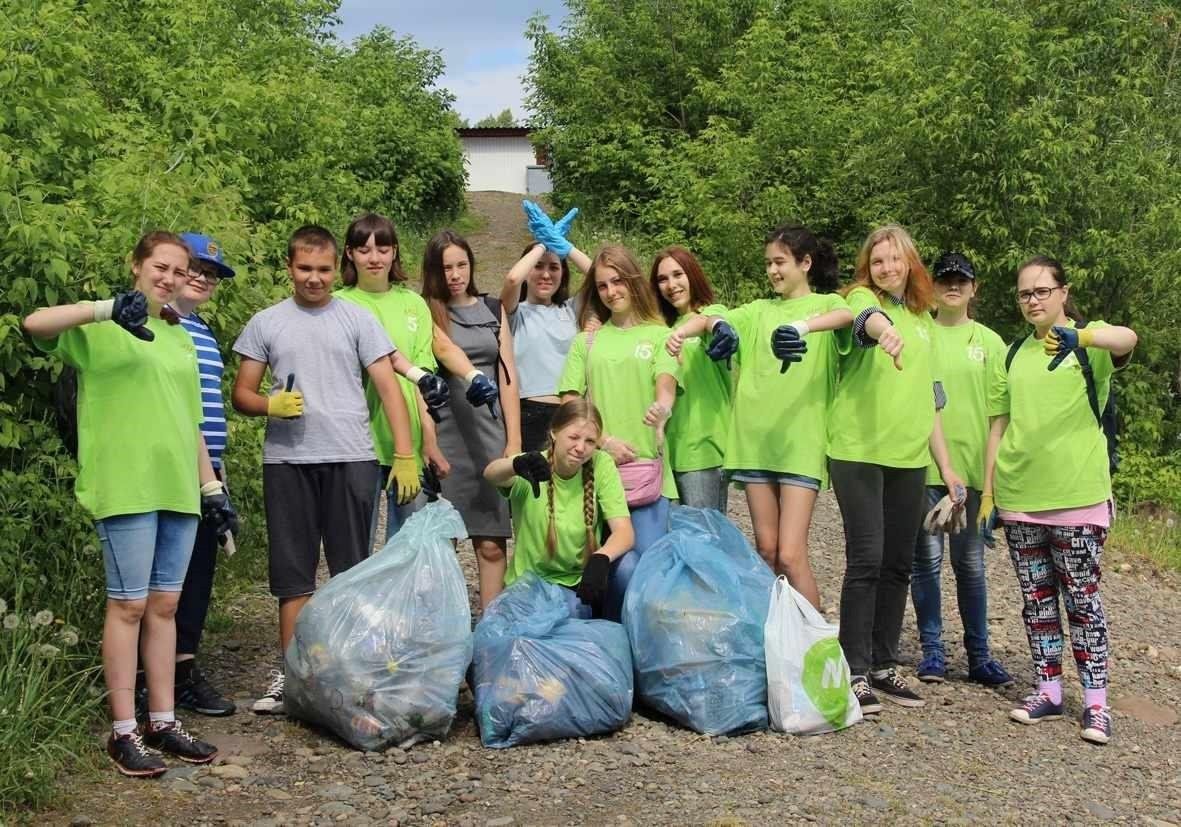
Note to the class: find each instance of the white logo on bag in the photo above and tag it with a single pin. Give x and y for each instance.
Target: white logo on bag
(644, 350)
(834, 674)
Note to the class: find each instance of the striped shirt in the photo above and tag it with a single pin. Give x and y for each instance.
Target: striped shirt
(210, 368)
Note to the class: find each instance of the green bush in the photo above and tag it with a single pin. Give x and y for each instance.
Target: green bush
(1003, 129)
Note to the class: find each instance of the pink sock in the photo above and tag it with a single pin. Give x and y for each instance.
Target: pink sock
(1051, 689)
(1095, 697)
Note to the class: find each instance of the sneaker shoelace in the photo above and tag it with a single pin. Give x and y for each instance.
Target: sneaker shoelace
(143, 749)
(1099, 718)
(278, 679)
(894, 680)
(1032, 702)
(861, 689)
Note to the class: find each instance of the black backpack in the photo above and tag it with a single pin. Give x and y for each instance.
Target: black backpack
(1107, 418)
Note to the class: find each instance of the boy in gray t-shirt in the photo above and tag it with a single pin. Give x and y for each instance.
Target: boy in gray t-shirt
(318, 458)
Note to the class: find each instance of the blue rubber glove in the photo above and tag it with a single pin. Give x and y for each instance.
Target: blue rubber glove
(483, 391)
(562, 225)
(1061, 341)
(129, 310)
(538, 222)
(555, 242)
(788, 346)
(723, 343)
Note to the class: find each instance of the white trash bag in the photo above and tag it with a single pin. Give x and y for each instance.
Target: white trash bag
(808, 689)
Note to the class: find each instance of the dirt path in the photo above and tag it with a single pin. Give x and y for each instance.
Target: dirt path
(958, 760)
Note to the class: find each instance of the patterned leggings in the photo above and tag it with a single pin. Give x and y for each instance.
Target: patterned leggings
(1051, 559)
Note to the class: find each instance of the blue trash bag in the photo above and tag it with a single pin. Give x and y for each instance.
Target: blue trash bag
(379, 652)
(543, 673)
(694, 612)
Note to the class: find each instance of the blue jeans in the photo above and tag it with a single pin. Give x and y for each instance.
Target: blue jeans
(146, 551)
(967, 561)
(706, 488)
(396, 514)
(650, 523)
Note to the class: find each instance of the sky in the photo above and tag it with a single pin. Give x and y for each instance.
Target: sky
(482, 42)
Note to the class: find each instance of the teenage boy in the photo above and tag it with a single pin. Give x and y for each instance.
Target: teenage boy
(207, 268)
(318, 457)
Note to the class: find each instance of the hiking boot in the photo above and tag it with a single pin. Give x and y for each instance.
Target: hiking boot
(271, 703)
(1036, 708)
(896, 689)
(132, 757)
(172, 739)
(933, 667)
(199, 695)
(870, 705)
(1097, 724)
(990, 673)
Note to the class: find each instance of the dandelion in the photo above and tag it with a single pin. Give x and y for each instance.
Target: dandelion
(12, 622)
(48, 651)
(43, 618)
(69, 637)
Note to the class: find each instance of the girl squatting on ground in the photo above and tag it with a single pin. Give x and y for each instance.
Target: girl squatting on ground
(884, 429)
(144, 474)
(970, 362)
(1048, 470)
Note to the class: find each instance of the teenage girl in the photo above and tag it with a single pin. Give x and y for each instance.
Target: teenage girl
(144, 474)
(697, 430)
(624, 369)
(1047, 466)
(371, 269)
(560, 500)
(776, 437)
(470, 436)
(544, 321)
(883, 431)
(970, 362)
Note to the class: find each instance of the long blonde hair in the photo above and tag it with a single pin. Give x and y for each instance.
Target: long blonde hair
(920, 293)
(620, 259)
(573, 410)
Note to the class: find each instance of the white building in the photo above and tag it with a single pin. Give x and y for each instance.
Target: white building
(502, 159)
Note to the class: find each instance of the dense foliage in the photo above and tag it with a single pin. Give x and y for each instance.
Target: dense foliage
(242, 118)
(1003, 129)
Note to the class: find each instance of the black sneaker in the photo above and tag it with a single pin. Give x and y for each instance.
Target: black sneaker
(199, 695)
(172, 739)
(133, 758)
(271, 703)
(896, 689)
(870, 705)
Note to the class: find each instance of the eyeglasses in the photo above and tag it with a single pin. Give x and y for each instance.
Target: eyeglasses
(1039, 293)
(208, 273)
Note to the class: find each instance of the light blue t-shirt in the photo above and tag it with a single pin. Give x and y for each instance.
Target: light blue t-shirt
(542, 334)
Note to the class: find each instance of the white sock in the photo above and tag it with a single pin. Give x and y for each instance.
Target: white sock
(878, 674)
(123, 727)
(161, 719)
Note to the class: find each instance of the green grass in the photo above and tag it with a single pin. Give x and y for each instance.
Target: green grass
(1156, 538)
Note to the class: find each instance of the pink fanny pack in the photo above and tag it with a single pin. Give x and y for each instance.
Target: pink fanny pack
(642, 480)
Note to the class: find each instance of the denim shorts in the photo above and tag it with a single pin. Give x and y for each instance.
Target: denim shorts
(754, 475)
(146, 551)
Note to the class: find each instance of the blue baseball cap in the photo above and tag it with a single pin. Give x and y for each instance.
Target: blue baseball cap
(206, 249)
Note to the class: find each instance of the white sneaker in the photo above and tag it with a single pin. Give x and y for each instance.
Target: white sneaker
(271, 703)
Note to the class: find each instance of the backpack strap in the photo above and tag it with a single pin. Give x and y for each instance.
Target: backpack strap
(1013, 348)
(1084, 362)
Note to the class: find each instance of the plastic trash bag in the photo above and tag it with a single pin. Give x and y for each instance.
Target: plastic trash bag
(380, 651)
(543, 673)
(808, 689)
(694, 612)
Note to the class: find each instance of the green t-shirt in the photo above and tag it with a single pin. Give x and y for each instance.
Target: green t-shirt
(883, 415)
(406, 319)
(1053, 454)
(780, 420)
(697, 431)
(623, 367)
(970, 362)
(139, 408)
(531, 522)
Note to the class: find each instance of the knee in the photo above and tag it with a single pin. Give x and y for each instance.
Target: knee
(127, 611)
(162, 605)
(490, 552)
(793, 556)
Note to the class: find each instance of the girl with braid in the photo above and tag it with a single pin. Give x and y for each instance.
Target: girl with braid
(560, 499)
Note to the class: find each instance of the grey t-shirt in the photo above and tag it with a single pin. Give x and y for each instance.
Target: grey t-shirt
(541, 339)
(327, 348)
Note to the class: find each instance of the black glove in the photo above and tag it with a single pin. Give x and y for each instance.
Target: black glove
(434, 389)
(593, 586)
(723, 344)
(130, 312)
(216, 510)
(788, 346)
(533, 467)
(431, 486)
(482, 391)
